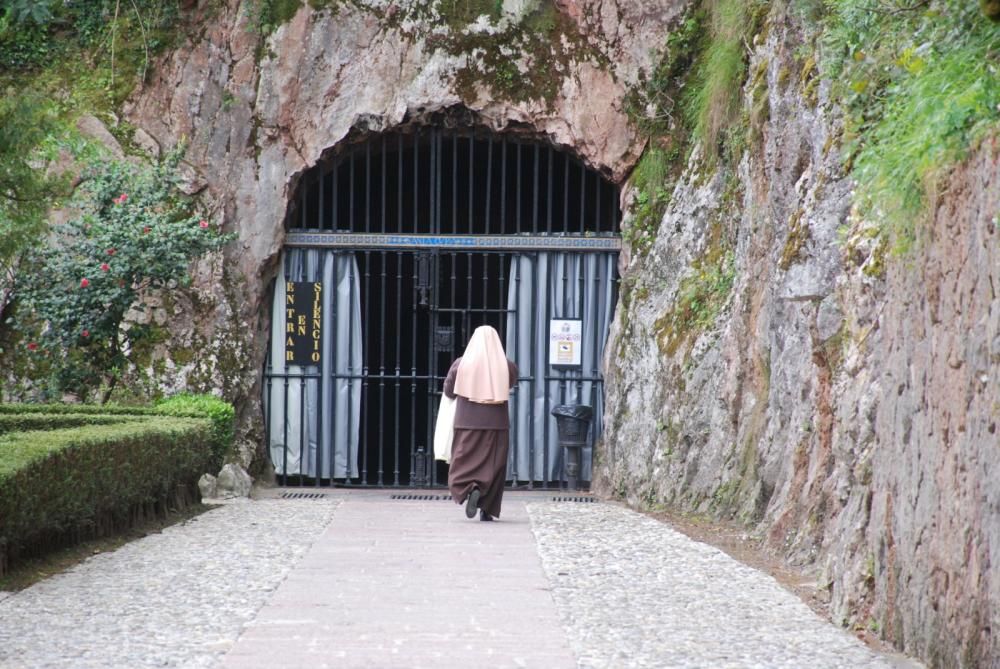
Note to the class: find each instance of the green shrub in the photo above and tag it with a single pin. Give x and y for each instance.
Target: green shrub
(86, 481)
(135, 231)
(220, 412)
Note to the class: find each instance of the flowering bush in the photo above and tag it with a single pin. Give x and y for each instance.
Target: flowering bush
(135, 231)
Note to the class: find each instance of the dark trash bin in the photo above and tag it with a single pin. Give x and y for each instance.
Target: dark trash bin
(573, 425)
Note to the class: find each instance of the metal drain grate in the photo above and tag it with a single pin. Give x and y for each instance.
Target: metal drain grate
(303, 495)
(574, 499)
(421, 498)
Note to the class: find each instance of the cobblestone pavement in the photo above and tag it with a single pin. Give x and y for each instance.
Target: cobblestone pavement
(634, 593)
(174, 599)
(223, 588)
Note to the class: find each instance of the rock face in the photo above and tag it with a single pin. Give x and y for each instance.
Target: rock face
(257, 112)
(843, 400)
(840, 400)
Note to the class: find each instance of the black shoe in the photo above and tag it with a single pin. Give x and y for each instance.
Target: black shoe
(471, 503)
(485, 516)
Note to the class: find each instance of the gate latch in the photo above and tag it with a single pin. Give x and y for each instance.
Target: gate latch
(423, 276)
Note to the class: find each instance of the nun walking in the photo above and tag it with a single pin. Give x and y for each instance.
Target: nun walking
(480, 381)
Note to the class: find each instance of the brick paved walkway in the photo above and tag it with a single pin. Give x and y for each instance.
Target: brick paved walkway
(411, 584)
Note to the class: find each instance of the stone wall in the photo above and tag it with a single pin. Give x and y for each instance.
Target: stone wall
(843, 401)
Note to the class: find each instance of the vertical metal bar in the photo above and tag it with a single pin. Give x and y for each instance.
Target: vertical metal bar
(489, 183)
(284, 433)
(534, 194)
(399, 184)
(545, 381)
(381, 362)
(455, 329)
(303, 439)
(502, 295)
(336, 209)
(319, 407)
(516, 310)
(617, 211)
(566, 166)
(454, 184)
(486, 279)
(518, 193)
(503, 186)
(416, 180)
(334, 374)
(413, 370)
(436, 175)
(430, 182)
(302, 202)
(383, 170)
(350, 370)
(597, 205)
(472, 185)
(432, 376)
(268, 417)
(368, 186)
(350, 196)
(365, 324)
(548, 197)
(322, 199)
(399, 331)
(468, 293)
(537, 292)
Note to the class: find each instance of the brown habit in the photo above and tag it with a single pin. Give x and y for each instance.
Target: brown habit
(479, 449)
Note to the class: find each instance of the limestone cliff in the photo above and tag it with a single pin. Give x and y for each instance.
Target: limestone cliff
(843, 400)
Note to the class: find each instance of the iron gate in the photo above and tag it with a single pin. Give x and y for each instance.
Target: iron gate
(412, 296)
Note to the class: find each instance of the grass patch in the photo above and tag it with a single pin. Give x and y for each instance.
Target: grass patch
(651, 180)
(713, 101)
(921, 88)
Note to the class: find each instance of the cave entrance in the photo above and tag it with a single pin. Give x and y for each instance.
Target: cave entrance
(399, 245)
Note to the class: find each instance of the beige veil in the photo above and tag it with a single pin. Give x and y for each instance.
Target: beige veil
(483, 375)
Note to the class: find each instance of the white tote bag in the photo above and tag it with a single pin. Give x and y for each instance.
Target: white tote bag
(444, 430)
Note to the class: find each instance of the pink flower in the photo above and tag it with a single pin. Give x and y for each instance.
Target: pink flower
(32, 346)
(84, 282)
(203, 223)
(111, 252)
(145, 229)
(85, 333)
(120, 199)
(105, 267)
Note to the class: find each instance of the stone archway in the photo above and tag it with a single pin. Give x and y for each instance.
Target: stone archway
(259, 110)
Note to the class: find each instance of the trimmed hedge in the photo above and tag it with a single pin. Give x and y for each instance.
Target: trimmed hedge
(27, 422)
(86, 481)
(221, 413)
(111, 409)
(70, 472)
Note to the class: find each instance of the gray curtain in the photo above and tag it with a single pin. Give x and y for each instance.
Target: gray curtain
(546, 286)
(297, 444)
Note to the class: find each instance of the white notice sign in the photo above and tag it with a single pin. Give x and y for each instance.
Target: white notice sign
(565, 338)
